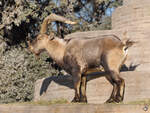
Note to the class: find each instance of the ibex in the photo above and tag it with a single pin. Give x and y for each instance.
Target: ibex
(78, 56)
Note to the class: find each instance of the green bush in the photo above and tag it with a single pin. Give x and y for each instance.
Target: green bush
(19, 70)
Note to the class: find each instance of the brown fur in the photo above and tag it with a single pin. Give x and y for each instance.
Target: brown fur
(80, 56)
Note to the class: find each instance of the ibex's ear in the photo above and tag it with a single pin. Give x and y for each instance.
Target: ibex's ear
(128, 43)
(39, 37)
(51, 36)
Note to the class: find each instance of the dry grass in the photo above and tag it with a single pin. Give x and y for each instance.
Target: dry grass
(142, 102)
(42, 103)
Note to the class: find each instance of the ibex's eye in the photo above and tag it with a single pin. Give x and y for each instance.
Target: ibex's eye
(39, 38)
(51, 37)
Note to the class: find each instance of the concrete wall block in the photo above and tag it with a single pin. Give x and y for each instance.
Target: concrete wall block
(74, 108)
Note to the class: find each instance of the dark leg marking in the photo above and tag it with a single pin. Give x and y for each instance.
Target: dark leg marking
(121, 90)
(114, 92)
(118, 87)
(77, 83)
(83, 97)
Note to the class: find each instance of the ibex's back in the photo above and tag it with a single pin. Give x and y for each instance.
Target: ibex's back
(92, 51)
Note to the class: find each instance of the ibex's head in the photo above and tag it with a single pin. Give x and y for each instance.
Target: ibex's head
(38, 45)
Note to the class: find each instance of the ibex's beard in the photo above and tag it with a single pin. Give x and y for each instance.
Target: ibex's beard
(36, 54)
(31, 49)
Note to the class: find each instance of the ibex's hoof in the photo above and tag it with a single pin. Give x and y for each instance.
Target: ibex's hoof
(118, 99)
(75, 100)
(114, 100)
(110, 100)
(83, 100)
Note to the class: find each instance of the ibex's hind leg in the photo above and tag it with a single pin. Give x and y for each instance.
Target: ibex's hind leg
(121, 90)
(118, 87)
(83, 97)
(114, 92)
(111, 64)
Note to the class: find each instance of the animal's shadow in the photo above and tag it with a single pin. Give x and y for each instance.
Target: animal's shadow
(66, 80)
(132, 67)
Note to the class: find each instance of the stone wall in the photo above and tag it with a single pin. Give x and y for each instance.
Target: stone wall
(74, 108)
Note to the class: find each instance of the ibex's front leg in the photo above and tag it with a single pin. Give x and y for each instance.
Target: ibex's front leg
(77, 83)
(83, 97)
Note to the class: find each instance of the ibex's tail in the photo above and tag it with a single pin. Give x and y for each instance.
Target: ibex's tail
(51, 18)
(128, 43)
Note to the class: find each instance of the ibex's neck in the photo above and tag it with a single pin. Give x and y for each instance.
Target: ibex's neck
(56, 49)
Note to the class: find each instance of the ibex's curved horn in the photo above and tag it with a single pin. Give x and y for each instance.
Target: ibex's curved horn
(51, 18)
